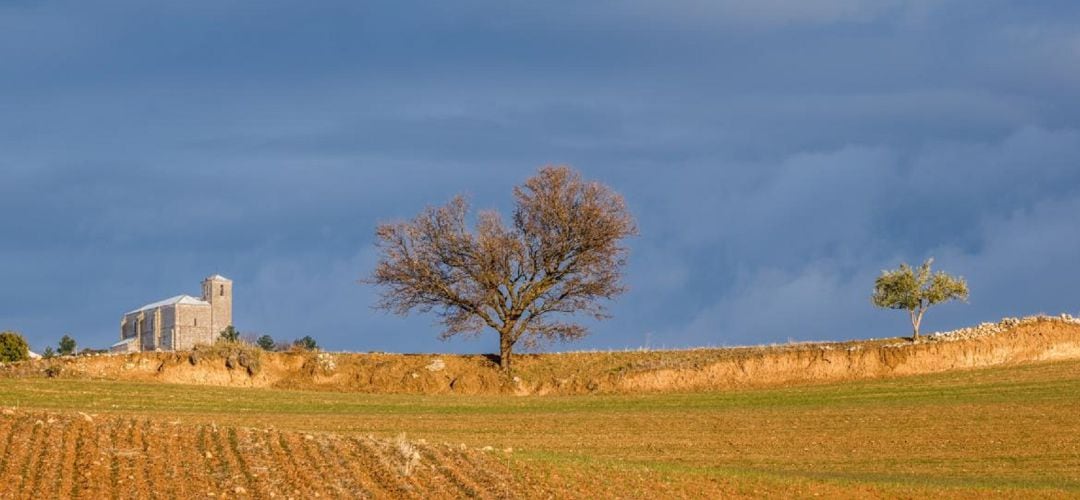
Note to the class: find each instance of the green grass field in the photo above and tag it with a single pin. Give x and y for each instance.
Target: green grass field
(1011, 431)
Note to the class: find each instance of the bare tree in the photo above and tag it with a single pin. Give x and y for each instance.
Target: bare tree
(562, 255)
(916, 290)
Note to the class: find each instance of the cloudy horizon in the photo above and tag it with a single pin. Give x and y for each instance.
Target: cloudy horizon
(777, 155)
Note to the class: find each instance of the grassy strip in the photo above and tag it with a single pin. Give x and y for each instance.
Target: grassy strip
(1023, 384)
(901, 483)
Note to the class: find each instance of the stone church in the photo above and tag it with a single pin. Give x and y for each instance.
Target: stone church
(180, 322)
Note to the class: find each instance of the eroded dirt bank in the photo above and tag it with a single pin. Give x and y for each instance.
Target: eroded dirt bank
(1010, 342)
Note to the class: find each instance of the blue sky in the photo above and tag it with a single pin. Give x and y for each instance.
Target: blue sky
(778, 154)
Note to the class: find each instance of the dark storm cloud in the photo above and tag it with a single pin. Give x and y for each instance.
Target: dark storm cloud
(778, 154)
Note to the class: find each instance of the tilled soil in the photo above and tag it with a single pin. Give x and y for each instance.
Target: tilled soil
(60, 455)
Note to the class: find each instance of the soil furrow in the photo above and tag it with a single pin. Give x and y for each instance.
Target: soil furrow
(11, 449)
(285, 474)
(444, 467)
(85, 454)
(358, 478)
(227, 468)
(32, 445)
(302, 454)
(185, 461)
(258, 457)
(64, 471)
(115, 460)
(384, 470)
(131, 477)
(336, 479)
(482, 474)
(47, 456)
(237, 456)
(302, 477)
(143, 462)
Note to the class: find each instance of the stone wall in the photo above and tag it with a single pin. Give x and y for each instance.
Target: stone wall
(193, 326)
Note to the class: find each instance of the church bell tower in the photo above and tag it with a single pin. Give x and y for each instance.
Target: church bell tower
(217, 290)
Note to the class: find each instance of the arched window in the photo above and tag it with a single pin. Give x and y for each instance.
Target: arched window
(222, 292)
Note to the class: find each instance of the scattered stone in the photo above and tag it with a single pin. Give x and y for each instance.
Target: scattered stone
(86, 417)
(209, 455)
(991, 329)
(508, 450)
(9, 411)
(487, 448)
(309, 437)
(436, 365)
(240, 490)
(326, 362)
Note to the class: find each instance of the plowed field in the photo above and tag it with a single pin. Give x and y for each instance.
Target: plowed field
(51, 455)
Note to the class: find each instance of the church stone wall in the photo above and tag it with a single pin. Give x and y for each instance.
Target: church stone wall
(193, 326)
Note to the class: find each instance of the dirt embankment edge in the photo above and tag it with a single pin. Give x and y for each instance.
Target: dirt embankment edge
(1012, 341)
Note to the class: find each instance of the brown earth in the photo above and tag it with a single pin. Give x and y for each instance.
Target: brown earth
(58, 455)
(1009, 342)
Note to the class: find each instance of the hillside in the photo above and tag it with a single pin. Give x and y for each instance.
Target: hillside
(1011, 341)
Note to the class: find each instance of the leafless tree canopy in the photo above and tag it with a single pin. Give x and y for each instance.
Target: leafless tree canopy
(561, 255)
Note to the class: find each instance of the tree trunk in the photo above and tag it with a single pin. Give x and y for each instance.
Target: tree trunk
(506, 347)
(914, 325)
(916, 321)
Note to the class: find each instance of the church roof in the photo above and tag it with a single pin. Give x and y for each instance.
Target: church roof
(179, 299)
(218, 277)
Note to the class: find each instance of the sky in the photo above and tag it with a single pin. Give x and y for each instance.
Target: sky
(777, 156)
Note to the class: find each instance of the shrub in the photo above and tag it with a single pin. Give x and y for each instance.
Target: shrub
(48, 353)
(67, 346)
(266, 343)
(13, 347)
(306, 343)
(53, 371)
(230, 334)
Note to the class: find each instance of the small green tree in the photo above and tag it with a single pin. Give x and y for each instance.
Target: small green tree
(266, 343)
(230, 334)
(67, 346)
(916, 290)
(306, 343)
(48, 353)
(13, 347)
